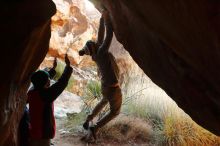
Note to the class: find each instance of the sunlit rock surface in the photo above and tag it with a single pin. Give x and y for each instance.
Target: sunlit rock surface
(67, 103)
(74, 23)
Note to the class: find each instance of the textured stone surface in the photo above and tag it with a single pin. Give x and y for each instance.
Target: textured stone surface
(25, 34)
(177, 46)
(175, 43)
(74, 23)
(67, 103)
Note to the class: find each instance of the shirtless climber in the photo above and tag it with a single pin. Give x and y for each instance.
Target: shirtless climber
(99, 51)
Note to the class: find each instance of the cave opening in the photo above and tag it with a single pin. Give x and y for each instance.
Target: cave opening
(185, 68)
(76, 22)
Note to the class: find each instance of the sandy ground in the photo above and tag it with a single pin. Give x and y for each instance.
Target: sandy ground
(65, 139)
(74, 139)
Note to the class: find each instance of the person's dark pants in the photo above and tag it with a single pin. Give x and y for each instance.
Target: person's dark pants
(113, 96)
(24, 129)
(40, 142)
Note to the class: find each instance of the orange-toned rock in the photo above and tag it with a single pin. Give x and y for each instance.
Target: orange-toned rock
(72, 26)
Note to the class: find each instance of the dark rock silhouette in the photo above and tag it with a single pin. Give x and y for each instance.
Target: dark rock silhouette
(175, 43)
(177, 46)
(25, 34)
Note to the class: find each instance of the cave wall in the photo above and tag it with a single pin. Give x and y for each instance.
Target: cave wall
(25, 34)
(176, 43)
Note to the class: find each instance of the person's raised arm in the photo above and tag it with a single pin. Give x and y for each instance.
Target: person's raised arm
(51, 93)
(52, 71)
(101, 32)
(109, 33)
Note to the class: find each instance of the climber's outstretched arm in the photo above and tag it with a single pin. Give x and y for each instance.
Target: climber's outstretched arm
(109, 33)
(101, 32)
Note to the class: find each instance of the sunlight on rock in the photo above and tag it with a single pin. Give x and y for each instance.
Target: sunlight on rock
(67, 103)
(89, 6)
(74, 23)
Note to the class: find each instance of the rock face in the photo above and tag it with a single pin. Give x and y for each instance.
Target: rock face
(67, 103)
(73, 24)
(175, 43)
(25, 34)
(177, 46)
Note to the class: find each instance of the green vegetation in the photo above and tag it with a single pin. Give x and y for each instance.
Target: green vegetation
(147, 117)
(171, 126)
(59, 70)
(92, 94)
(92, 91)
(75, 121)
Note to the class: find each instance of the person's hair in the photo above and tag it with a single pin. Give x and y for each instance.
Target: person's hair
(39, 78)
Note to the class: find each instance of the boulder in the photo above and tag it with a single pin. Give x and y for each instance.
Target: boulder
(25, 35)
(177, 46)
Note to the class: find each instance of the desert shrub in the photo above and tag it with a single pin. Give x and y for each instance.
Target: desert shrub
(92, 95)
(171, 126)
(184, 132)
(74, 121)
(148, 117)
(127, 129)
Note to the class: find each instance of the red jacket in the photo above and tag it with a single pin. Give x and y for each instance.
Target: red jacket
(41, 107)
(42, 121)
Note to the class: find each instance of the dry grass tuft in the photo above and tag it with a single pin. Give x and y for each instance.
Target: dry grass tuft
(153, 119)
(185, 132)
(126, 128)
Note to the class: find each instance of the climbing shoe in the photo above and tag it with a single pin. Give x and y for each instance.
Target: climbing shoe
(93, 131)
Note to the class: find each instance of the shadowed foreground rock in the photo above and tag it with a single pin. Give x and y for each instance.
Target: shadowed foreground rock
(176, 43)
(25, 34)
(177, 46)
